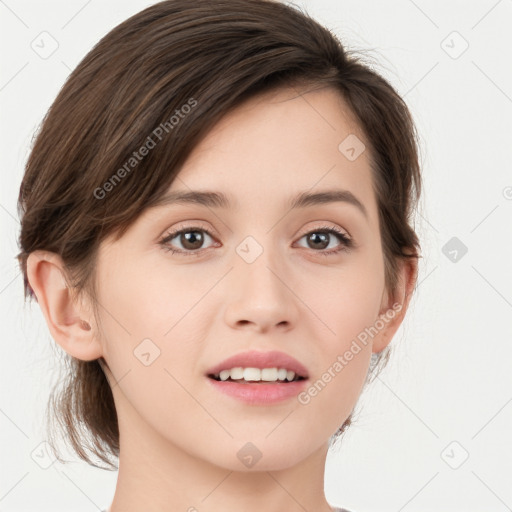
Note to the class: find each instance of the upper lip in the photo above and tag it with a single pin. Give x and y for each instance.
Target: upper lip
(257, 359)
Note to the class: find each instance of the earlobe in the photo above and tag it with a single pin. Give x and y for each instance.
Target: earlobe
(45, 272)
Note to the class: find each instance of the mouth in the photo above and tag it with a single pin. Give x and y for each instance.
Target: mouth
(257, 367)
(257, 376)
(259, 379)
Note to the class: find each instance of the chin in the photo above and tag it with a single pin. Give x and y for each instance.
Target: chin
(260, 454)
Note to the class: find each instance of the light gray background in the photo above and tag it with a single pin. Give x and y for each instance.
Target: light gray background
(447, 392)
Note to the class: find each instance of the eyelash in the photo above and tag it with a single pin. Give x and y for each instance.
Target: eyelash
(346, 243)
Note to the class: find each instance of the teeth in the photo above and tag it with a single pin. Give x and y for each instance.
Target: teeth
(235, 373)
(257, 374)
(252, 374)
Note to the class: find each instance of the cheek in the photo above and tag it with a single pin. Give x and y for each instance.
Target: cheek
(346, 302)
(346, 299)
(151, 336)
(153, 321)
(150, 298)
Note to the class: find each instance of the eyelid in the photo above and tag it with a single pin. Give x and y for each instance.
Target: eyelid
(191, 225)
(326, 226)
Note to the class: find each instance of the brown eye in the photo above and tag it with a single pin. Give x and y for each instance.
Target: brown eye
(190, 240)
(318, 240)
(321, 238)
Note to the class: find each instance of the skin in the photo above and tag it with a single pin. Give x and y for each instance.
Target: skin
(180, 437)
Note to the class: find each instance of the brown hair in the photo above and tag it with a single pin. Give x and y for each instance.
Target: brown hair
(175, 69)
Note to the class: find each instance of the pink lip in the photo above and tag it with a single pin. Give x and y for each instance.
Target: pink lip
(257, 393)
(256, 359)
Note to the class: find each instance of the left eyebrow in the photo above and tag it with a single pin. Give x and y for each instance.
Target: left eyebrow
(213, 199)
(305, 199)
(206, 198)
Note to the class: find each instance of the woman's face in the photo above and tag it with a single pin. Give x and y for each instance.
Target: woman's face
(246, 276)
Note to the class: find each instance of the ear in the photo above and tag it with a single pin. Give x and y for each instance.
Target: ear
(394, 306)
(69, 324)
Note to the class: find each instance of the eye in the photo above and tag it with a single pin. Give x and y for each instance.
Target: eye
(322, 237)
(191, 240)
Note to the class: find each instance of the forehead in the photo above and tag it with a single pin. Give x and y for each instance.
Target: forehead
(281, 143)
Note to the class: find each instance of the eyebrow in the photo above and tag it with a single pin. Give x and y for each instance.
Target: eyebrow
(212, 199)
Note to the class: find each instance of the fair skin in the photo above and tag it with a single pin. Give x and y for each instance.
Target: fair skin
(179, 437)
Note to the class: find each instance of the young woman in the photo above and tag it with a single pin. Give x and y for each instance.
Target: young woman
(216, 226)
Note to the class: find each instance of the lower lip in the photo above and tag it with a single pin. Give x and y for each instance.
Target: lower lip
(259, 394)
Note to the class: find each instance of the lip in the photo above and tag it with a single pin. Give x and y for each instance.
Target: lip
(257, 359)
(257, 393)
(260, 393)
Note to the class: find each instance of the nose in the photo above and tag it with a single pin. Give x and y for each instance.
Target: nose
(260, 295)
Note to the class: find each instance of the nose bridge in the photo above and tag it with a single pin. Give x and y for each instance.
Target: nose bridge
(258, 292)
(258, 263)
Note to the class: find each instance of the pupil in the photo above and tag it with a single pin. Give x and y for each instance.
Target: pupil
(192, 237)
(314, 237)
